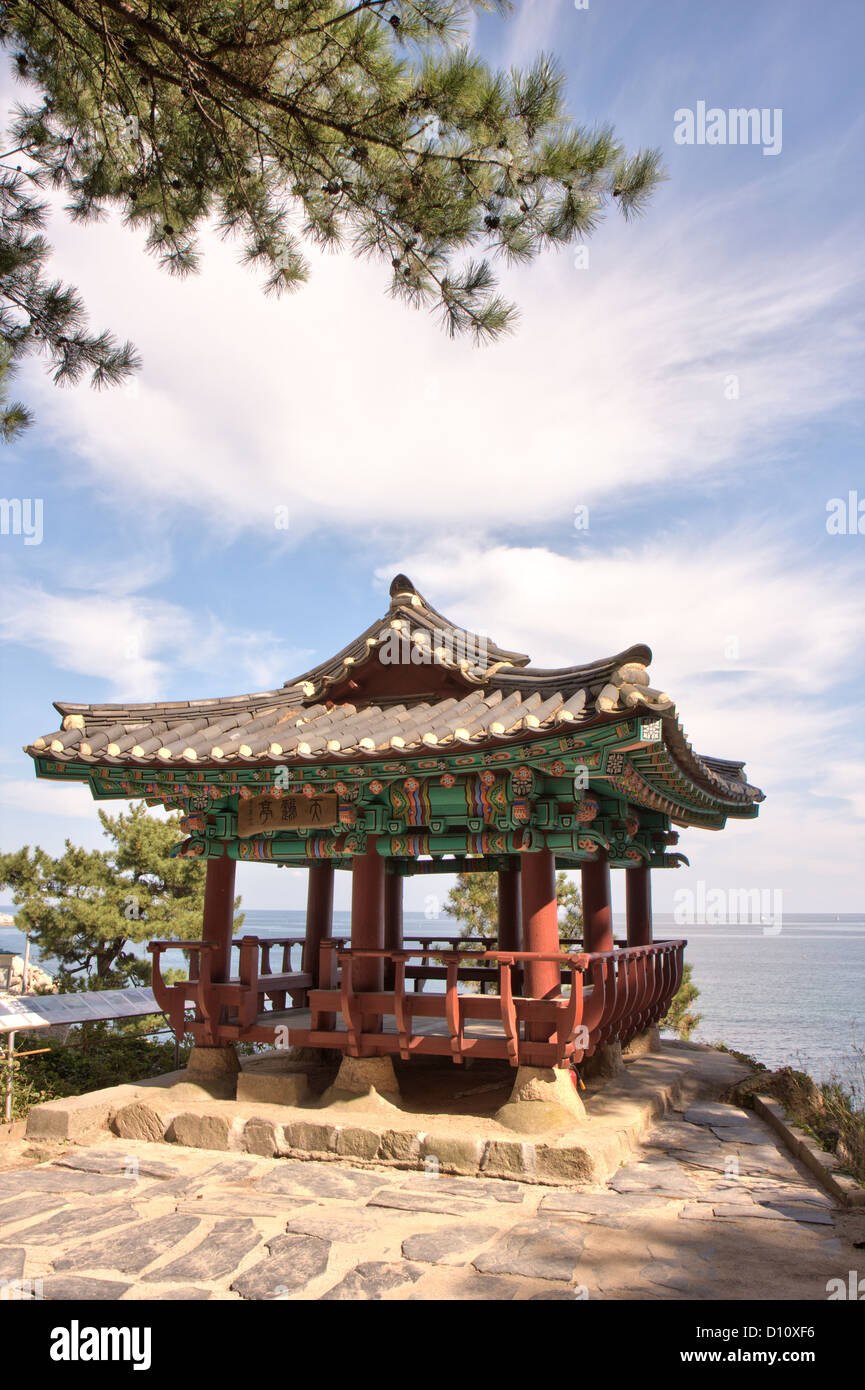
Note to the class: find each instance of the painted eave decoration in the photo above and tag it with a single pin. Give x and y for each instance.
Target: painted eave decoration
(414, 693)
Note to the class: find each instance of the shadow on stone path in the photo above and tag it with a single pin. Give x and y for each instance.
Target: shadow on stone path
(714, 1208)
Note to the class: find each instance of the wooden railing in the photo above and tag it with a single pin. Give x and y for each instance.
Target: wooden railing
(603, 997)
(228, 1008)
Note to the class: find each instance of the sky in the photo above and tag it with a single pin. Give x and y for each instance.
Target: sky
(693, 379)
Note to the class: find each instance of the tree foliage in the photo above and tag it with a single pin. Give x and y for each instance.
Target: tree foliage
(680, 1017)
(362, 123)
(473, 901)
(86, 907)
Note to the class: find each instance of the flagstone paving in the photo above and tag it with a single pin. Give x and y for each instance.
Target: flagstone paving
(713, 1208)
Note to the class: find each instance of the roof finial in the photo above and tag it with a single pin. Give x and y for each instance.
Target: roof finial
(402, 585)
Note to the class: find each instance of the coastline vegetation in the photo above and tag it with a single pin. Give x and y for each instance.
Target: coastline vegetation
(832, 1111)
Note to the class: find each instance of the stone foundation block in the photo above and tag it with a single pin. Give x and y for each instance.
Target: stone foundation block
(565, 1164)
(309, 1137)
(141, 1121)
(542, 1098)
(271, 1088)
(508, 1158)
(353, 1142)
(400, 1146)
(643, 1043)
(202, 1131)
(452, 1153)
(263, 1137)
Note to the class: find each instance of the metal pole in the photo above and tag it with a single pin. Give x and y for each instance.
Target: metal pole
(26, 964)
(10, 1055)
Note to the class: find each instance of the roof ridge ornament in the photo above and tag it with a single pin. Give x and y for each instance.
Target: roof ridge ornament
(401, 584)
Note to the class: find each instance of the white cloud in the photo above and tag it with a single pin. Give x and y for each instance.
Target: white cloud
(330, 401)
(41, 797)
(139, 645)
(787, 706)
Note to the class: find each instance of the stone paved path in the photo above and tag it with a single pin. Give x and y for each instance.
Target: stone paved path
(713, 1209)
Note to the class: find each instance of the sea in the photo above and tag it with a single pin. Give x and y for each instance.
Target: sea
(794, 996)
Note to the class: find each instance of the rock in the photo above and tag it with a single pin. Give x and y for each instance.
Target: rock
(272, 1088)
(12, 977)
(592, 1204)
(129, 1251)
(367, 1084)
(183, 1293)
(372, 1280)
(448, 1245)
(141, 1121)
(475, 1287)
(399, 1146)
(71, 1288)
(216, 1255)
(59, 1180)
(542, 1098)
(11, 1264)
(739, 1134)
(452, 1153)
(131, 1166)
(537, 1249)
(19, 1208)
(481, 1189)
(207, 1062)
(508, 1156)
(424, 1201)
(716, 1112)
(674, 1276)
(196, 1131)
(292, 1261)
(309, 1137)
(77, 1117)
(654, 1175)
(357, 1143)
(84, 1221)
(604, 1063)
(296, 1178)
(336, 1225)
(642, 1044)
(262, 1137)
(564, 1164)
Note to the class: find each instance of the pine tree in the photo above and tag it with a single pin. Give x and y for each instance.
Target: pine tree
(473, 901)
(85, 907)
(680, 1018)
(366, 123)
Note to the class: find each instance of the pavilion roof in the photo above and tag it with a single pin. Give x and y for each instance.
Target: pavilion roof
(464, 692)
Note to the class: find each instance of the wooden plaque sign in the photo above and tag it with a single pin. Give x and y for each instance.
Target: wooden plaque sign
(261, 813)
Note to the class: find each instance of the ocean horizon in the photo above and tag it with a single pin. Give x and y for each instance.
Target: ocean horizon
(794, 996)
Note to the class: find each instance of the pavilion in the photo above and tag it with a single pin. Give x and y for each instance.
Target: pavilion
(420, 748)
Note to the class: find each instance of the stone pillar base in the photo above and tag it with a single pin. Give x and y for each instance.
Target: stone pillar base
(214, 1069)
(365, 1083)
(604, 1063)
(542, 1098)
(642, 1043)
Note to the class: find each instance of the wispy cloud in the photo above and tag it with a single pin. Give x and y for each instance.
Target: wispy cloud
(668, 359)
(140, 646)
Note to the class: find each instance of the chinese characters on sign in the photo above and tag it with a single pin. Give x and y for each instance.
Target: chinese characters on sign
(285, 813)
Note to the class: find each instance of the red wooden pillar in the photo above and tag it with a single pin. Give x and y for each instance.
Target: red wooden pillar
(393, 887)
(638, 896)
(218, 924)
(510, 916)
(367, 923)
(540, 933)
(597, 907)
(319, 916)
